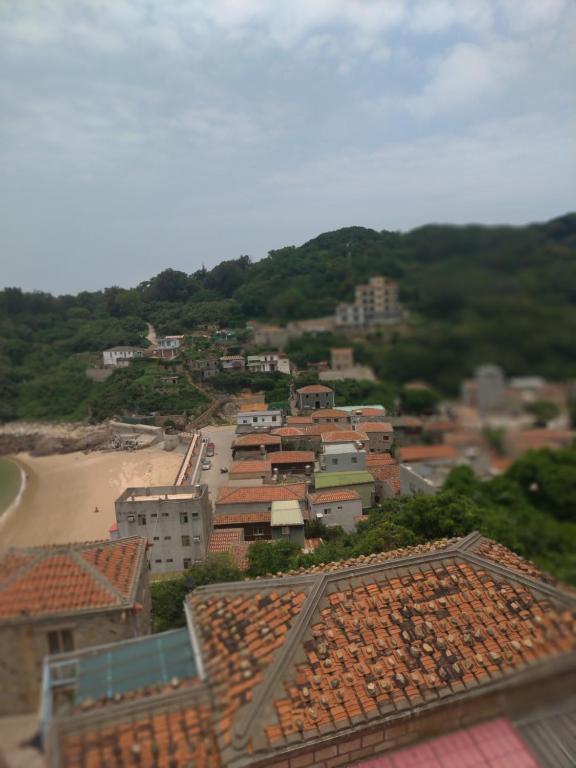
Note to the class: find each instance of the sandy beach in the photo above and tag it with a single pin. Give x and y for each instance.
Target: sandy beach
(63, 491)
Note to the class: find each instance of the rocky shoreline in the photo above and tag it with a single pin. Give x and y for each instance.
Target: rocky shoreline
(39, 439)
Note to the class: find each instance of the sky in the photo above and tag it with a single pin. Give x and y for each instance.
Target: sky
(137, 135)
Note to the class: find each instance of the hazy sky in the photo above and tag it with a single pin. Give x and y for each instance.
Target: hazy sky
(137, 135)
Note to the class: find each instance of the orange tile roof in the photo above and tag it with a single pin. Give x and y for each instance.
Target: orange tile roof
(441, 426)
(389, 474)
(329, 497)
(313, 389)
(332, 413)
(290, 457)
(441, 621)
(371, 412)
(287, 432)
(378, 459)
(249, 467)
(256, 439)
(299, 420)
(70, 578)
(427, 452)
(317, 430)
(377, 426)
(221, 521)
(261, 494)
(344, 436)
(221, 539)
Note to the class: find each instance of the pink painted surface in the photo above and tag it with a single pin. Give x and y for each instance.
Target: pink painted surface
(492, 745)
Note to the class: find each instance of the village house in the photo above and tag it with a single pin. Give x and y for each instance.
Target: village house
(314, 396)
(424, 468)
(380, 435)
(287, 522)
(342, 457)
(340, 508)
(360, 481)
(169, 347)
(517, 442)
(204, 368)
(176, 520)
(341, 358)
(232, 363)
(255, 499)
(292, 438)
(230, 542)
(375, 303)
(330, 416)
(352, 661)
(255, 445)
(268, 363)
(60, 598)
(251, 469)
(292, 462)
(256, 420)
(345, 436)
(120, 357)
(407, 429)
(386, 481)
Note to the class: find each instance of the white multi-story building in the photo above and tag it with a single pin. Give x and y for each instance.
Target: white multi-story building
(268, 363)
(118, 357)
(375, 302)
(254, 421)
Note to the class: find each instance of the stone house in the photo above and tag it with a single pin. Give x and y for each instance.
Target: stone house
(250, 469)
(292, 462)
(350, 661)
(313, 397)
(60, 598)
(336, 508)
(176, 520)
(380, 436)
(255, 446)
(204, 368)
(232, 363)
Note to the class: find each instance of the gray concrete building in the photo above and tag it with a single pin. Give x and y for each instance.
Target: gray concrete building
(343, 457)
(287, 522)
(60, 598)
(335, 508)
(176, 520)
(490, 388)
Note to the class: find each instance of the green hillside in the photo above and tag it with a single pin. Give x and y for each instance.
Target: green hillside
(475, 294)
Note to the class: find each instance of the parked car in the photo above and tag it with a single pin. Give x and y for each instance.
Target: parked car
(206, 464)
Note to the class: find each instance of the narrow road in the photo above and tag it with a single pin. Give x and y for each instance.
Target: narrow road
(151, 335)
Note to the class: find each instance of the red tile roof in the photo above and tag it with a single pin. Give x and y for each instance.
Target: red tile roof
(495, 744)
(299, 420)
(261, 494)
(378, 460)
(330, 497)
(292, 457)
(344, 436)
(371, 411)
(427, 452)
(70, 578)
(257, 439)
(390, 474)
(331, 413)
(287, 432)
(222, 538)
(317, 430)
(249, 467)
(221, 521)
(313, 389)
(377, 426)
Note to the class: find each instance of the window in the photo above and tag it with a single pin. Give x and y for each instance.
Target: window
(165, 514)
(258, 531)
(274, 418)
(60, 641)
(154, 514)
(157, 561)
(141, 519)
(184, 517)
(286, 530)
(170, 560)
(326, 510)
(194, 515)
(354, 459)
(167, 538)
(156, 538)
(187, 563)
(254, 419)
(185, 541)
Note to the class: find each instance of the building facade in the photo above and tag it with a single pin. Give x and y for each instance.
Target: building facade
(176, 520)
(342, 457)
(313, 397)
(117, 357)
(375, 303)
(254, 421)
(340, 508)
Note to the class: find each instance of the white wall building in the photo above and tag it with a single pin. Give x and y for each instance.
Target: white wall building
(336, 508)
(117, 357)
(342, 457)
(253, 421)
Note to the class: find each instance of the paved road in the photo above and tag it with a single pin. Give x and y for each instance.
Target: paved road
(222, 437)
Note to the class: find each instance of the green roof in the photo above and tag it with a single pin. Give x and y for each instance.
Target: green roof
(335, 479)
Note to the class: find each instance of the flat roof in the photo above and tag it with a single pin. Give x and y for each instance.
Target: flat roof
(286, 513)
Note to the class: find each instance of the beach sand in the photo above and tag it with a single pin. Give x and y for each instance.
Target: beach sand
(63, 491)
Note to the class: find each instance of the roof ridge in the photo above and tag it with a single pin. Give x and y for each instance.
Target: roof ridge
(23, 568)
(98, 576)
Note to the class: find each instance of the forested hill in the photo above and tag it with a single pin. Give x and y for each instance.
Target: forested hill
(475, 294)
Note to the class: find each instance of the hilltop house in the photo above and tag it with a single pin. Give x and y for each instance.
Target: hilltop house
(120, 357)
(314, 396)
(60, 598)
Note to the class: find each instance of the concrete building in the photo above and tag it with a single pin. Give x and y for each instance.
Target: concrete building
(375, 303)
(341, 358)
(336, 508)
(232, 363)
(255, 421)
(314, 396)
(490, 389)
(241, 501)
(176, 520)
(329, 416)
(421, 478)
(360, 481)
(380, 435)
(343, 457)
(205, 368)
(268, 363)
(118, 357)
(344, 664)
(287, 522)
(61, 598)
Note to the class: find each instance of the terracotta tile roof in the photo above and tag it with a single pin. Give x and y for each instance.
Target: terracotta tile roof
(249, 467)
(261, 494)
(363, 644)
(318, 430)
(426, 452)
(330, 497)
(289, 457)
(313, 389)
(287, 432)
(390, 475)
(70, 578)
(222, 538)
(371, 411)
(331, 413)
(378, 460)
(344, 436)
(407, 421)
(299, 420)
(242, 517)
(501, 554)
(377, 426)
(261, 438)
(182, 737)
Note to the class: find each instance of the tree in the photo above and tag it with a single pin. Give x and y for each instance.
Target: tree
(419, 401)
(266, 557)
(543, 411)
